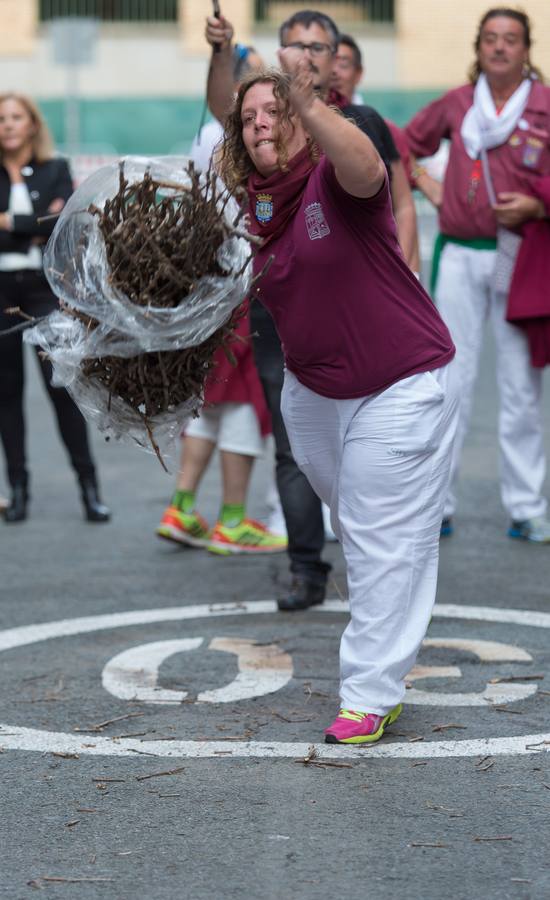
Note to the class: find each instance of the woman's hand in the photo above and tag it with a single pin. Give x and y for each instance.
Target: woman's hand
(56, 206)
(302, 93)
(513, 209)
(5, 222)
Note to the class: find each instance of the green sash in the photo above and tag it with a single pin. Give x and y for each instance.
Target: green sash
(443, 239)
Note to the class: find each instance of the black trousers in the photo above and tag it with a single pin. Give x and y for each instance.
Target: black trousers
(30, 291)
(301, 506)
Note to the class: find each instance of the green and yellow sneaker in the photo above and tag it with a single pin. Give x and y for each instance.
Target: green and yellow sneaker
(248, 536)
(184, 528)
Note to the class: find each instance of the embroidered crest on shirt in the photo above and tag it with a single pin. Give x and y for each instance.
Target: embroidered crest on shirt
(316, 224)
(532, 152)
(264, 207)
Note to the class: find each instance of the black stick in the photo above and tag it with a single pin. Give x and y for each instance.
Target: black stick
(215, 49)
(22, 326)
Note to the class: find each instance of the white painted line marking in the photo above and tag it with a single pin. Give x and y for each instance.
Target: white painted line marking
(133, 674)
(262, 670)
(44, 741)
(486, 651)
(94, 745)
(31, 634)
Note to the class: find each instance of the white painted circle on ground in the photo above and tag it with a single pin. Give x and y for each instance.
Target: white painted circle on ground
(16, 738)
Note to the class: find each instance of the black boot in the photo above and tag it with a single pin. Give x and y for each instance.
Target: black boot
(303, 593)
(94, 509)
(17, 510)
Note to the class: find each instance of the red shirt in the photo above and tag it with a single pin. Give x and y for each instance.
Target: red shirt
(351, 316)
(402, 147)
(514, 165)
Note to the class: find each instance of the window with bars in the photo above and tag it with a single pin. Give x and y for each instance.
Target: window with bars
(111, 10)
(341, 10)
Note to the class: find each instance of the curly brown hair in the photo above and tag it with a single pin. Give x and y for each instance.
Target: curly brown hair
(233, 162)
(519, 16)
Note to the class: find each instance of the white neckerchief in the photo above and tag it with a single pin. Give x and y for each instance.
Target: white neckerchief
(482, 128)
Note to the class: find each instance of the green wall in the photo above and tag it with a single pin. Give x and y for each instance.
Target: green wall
(159, 125)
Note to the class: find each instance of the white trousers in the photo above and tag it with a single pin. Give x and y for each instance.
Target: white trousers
(466, 296)
(381, 463)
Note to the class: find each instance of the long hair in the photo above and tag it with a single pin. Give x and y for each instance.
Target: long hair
(233, 162)
(518, 16)
(42, 144)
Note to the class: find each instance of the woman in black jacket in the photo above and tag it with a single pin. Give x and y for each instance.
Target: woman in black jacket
(33, 184)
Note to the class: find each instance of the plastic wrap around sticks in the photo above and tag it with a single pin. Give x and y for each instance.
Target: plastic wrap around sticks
(77, 269)
(150, 264)
(67, 343)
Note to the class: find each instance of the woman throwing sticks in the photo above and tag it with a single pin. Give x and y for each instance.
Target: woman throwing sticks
(370, 400)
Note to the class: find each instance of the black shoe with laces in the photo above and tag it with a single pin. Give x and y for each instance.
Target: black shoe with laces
(303, 593)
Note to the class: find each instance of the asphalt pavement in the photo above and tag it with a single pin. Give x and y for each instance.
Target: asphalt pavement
(162, 723)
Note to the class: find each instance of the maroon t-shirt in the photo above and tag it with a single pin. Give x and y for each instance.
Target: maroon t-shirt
(352, 317)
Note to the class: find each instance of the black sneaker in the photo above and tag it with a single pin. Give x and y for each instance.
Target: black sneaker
(303, 594)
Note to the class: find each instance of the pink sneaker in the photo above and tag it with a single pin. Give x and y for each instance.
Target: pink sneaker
(351, 727)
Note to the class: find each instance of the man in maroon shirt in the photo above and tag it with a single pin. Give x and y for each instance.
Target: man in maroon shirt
(499, 131)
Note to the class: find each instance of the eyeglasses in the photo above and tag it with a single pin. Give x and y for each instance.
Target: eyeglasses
(315, 48)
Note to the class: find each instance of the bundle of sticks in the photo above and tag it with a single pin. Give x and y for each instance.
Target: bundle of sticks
(162, 239)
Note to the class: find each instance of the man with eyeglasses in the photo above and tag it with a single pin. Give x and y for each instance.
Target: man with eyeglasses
(316, 35)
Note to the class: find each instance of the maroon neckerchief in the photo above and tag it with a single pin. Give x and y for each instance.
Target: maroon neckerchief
(335, 98)
(273, 201)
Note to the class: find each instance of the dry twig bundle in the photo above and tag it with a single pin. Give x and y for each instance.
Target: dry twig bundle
(169, 254)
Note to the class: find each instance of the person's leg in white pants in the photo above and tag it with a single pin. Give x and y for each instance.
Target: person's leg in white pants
(521, 438)
(462, 297)
(382, 464)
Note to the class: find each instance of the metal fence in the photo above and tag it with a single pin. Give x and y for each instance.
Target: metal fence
(111, 10)
(341, 10)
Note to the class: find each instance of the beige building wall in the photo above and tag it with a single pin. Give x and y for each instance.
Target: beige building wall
(17, 27)
(435, 38)
(192, 15)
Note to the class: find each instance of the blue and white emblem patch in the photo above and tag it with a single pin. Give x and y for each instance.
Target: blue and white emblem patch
(264, 207)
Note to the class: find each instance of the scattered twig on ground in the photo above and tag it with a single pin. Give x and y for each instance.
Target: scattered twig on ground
(286, 719)
(337, 588)
(101, 725)
(436, 845)
(65, 755)
(58, 879)
(448, 809)
(507, 678)
(160, 774)
(486, 766)
(504, 709)
(485, 763)
(109, 780)
(311, 759)
(499, 837)
(448, 725)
